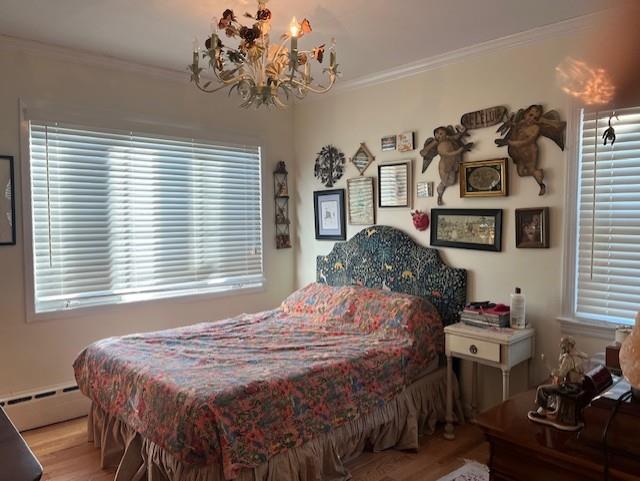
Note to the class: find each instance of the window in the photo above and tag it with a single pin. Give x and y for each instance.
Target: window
(608, 220)
(123, 216)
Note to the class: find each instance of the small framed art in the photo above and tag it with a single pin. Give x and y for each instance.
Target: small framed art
(532, 228)
(388, 142)
(406, 142)
(479, 229)
(360, 199)
(394, 184)
(7, 201)
(424, 189)
(362, 158)
(328, 208)
(484, 178)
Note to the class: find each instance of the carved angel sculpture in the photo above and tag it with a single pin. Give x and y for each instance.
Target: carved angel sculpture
(521, 133)
(448, 143)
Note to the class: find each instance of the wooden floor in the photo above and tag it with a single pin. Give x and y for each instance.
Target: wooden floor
(66, 455)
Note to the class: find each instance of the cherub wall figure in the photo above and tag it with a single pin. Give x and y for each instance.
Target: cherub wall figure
(521, 133)
(448, 143)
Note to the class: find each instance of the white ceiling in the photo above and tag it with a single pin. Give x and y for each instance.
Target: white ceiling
(372, 35)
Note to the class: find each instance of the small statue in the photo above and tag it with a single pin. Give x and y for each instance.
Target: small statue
(570, 363)
(521, 133)
(448, 143)
(560, 403)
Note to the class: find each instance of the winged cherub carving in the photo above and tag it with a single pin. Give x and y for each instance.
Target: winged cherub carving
(448, 143)
(521, 133)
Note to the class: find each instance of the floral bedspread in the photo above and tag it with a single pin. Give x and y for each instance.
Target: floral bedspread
(241, 390)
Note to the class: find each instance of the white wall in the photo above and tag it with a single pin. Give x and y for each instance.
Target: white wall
(514, 77)
(39, 354)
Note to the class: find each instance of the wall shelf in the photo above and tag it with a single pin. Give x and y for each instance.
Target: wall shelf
(281, 196)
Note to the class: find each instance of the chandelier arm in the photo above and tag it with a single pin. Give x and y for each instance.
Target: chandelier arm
(315, 89)
(225, 83)
(210, 91)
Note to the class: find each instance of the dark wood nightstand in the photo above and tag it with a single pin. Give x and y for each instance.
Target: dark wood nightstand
(17, 462)
(525, 451)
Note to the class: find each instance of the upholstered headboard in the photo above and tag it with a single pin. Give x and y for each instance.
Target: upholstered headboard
(386, 258)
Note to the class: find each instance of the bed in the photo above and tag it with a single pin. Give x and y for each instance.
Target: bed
(349, 363)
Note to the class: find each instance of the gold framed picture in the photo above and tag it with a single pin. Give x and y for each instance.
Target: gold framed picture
(484, 178)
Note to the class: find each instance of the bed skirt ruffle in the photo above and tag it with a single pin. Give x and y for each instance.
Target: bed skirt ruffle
(398, 424)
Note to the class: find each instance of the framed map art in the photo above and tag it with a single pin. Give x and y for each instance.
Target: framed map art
(479, 229)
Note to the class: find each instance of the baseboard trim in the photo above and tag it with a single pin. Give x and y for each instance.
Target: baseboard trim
(49, 405)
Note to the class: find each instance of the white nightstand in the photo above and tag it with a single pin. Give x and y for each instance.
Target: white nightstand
(501, 348)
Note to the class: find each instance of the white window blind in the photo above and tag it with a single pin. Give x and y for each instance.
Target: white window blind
(125, 216)
(608, 250)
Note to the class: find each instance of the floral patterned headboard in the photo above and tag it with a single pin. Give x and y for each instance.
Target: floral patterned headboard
(387, 258)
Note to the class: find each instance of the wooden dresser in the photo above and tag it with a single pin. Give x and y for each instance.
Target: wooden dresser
(525, 451)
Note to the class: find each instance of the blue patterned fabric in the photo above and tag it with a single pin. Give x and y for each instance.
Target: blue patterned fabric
(386, 258)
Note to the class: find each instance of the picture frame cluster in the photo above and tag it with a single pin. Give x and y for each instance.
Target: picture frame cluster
(476, 178)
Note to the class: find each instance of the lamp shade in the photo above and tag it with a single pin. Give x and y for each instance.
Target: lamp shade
(630, 356)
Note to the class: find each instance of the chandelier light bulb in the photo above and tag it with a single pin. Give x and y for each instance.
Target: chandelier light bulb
(214, 24)
(294, 27)
(196, 44)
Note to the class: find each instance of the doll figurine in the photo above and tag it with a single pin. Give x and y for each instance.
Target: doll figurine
(570, 363)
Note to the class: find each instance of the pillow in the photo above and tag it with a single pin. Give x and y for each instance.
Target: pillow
(380, 310)
(396, 314)
(321, 301)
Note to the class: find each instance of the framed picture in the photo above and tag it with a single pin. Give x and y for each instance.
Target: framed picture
(484, 178)
(532, 228)
(328, 207)
(425, 189)
(388, 142)
(479, 229)
(360, 198)
(406, 142)
(394, 184)
(362, 158)
(7, 201)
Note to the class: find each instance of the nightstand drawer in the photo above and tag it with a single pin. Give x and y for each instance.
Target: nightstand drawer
(474, 347)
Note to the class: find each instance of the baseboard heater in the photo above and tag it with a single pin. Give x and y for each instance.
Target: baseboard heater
(54, 404)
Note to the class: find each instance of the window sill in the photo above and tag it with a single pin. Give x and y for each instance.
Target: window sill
(593, 329)
(89, 311)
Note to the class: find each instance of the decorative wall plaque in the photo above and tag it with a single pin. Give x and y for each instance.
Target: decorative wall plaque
(483, 118)
(329, 165)
(362, 158)
(521, 133)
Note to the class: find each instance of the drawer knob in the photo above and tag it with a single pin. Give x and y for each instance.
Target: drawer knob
(473, 349)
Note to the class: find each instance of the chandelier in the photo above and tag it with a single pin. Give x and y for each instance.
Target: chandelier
(262, 73)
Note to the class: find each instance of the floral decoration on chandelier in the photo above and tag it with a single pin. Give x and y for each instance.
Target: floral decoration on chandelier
(259, 71)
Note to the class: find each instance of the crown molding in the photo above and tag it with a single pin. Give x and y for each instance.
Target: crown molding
(407, 70)
(83, 57)
(519, 39)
